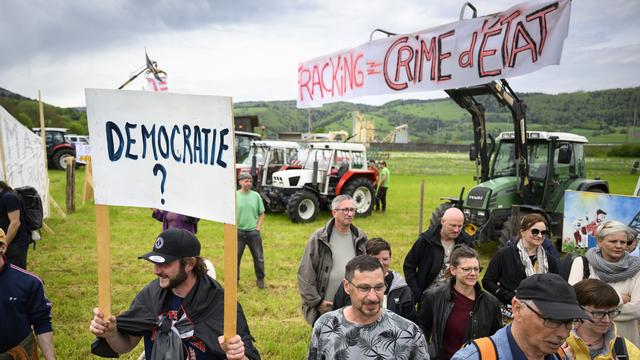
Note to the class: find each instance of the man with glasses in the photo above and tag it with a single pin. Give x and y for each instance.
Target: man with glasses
(596, 338)
(365, 330)
(427, 261)
(325, 256)
(545, 309)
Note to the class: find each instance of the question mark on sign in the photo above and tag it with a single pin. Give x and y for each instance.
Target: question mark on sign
(160, 168)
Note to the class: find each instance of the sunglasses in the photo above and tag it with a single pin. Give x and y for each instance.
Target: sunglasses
(536, 232)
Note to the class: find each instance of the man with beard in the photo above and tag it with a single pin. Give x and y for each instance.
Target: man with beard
(365, 329)
(24, 310)
(180, 314)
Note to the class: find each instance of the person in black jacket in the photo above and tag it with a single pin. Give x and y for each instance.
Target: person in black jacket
(179, 315)
(426, 262)
(460, 310)
(512, 264)
(397, 296)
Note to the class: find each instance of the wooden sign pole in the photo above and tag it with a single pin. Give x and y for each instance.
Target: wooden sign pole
(87, 189)
(230, 280)
(104, 256)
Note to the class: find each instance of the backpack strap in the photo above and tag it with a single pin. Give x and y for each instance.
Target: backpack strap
(620, 349)
(486, 348)
(586, 272)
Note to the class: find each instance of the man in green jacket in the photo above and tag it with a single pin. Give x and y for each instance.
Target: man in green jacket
(328, 251)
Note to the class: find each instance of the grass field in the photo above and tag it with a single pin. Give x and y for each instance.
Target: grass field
(66, 260)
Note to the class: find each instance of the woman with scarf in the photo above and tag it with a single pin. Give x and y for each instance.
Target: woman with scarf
(609, 262)
(514, 263)
(459, 310)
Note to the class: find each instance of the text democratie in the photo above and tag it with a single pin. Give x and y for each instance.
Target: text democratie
(186, 144)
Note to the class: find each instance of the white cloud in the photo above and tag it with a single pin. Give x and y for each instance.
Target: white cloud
(250, 50)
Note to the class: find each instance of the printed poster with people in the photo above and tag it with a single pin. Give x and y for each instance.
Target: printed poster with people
(584, 211)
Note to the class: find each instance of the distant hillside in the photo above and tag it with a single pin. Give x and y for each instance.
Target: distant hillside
(603, 116)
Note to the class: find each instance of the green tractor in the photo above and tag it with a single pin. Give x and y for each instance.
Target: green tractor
(519, 172)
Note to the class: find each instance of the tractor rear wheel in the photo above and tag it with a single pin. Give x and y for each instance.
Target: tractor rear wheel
(303, 207)
(60, 158)
(361, 190)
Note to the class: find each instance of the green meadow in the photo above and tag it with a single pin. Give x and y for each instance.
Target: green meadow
(67, 259)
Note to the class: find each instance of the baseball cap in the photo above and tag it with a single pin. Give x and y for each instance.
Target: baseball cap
(245, 176)
(173, 244)
(3, 240)
(553, 296)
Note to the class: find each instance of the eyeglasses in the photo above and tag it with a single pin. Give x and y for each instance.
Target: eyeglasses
(536, 232)
(599, 315)
(346, 210)
(554, 324)
(365, 289)
(467, 270)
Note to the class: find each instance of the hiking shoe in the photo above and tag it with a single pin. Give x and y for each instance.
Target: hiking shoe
(260, 283)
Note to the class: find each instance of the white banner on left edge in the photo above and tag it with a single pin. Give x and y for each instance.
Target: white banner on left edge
(163, 150)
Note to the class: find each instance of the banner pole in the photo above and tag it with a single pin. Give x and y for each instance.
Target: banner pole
(104, 256)
(231, 257)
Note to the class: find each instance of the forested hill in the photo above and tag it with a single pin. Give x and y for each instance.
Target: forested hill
(603, 116)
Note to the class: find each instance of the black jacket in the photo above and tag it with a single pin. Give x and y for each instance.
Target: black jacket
(437, 304)
(425, 259)
(399, 297)
(506, 271)
(204, 306)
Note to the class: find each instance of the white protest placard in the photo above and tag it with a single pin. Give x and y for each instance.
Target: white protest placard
(464, 53)
(23, 157)
(163, 150)
(83, 152)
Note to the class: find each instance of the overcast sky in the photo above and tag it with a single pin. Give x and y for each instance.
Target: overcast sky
(250, 50)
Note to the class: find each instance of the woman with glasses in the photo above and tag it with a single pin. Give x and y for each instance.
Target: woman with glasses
(514, 263)
(594, 338)
(459, 310)
(610, 262)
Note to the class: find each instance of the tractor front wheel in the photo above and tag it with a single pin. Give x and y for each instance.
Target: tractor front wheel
(303, 207)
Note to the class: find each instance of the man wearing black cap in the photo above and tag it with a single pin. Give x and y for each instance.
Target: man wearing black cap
(250, 218)
(180, 314)
(545, 309)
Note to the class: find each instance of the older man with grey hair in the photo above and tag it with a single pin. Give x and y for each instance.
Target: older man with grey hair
(328, 251)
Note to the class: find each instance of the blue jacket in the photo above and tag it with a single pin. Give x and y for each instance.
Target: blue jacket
(22, 306)
(503, 348)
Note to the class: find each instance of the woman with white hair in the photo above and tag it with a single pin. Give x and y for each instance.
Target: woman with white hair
(610, 262)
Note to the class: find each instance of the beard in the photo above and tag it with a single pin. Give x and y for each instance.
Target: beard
(178, 279)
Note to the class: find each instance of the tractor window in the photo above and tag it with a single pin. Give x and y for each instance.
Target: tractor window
(243, 144)
(565, 161)
(538, 157)
(358, 160)
(342, 157)
(323, 156)
(504, 163)
(277, 157)
(260, 156)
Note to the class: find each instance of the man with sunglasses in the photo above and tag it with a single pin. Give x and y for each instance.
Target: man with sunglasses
(328, 251)
(596, 337)
(365, 329)
(545, 309)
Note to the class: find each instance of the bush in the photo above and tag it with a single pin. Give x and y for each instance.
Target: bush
(626, 150)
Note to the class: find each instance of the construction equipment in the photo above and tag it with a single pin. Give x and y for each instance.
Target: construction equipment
(528, 172)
